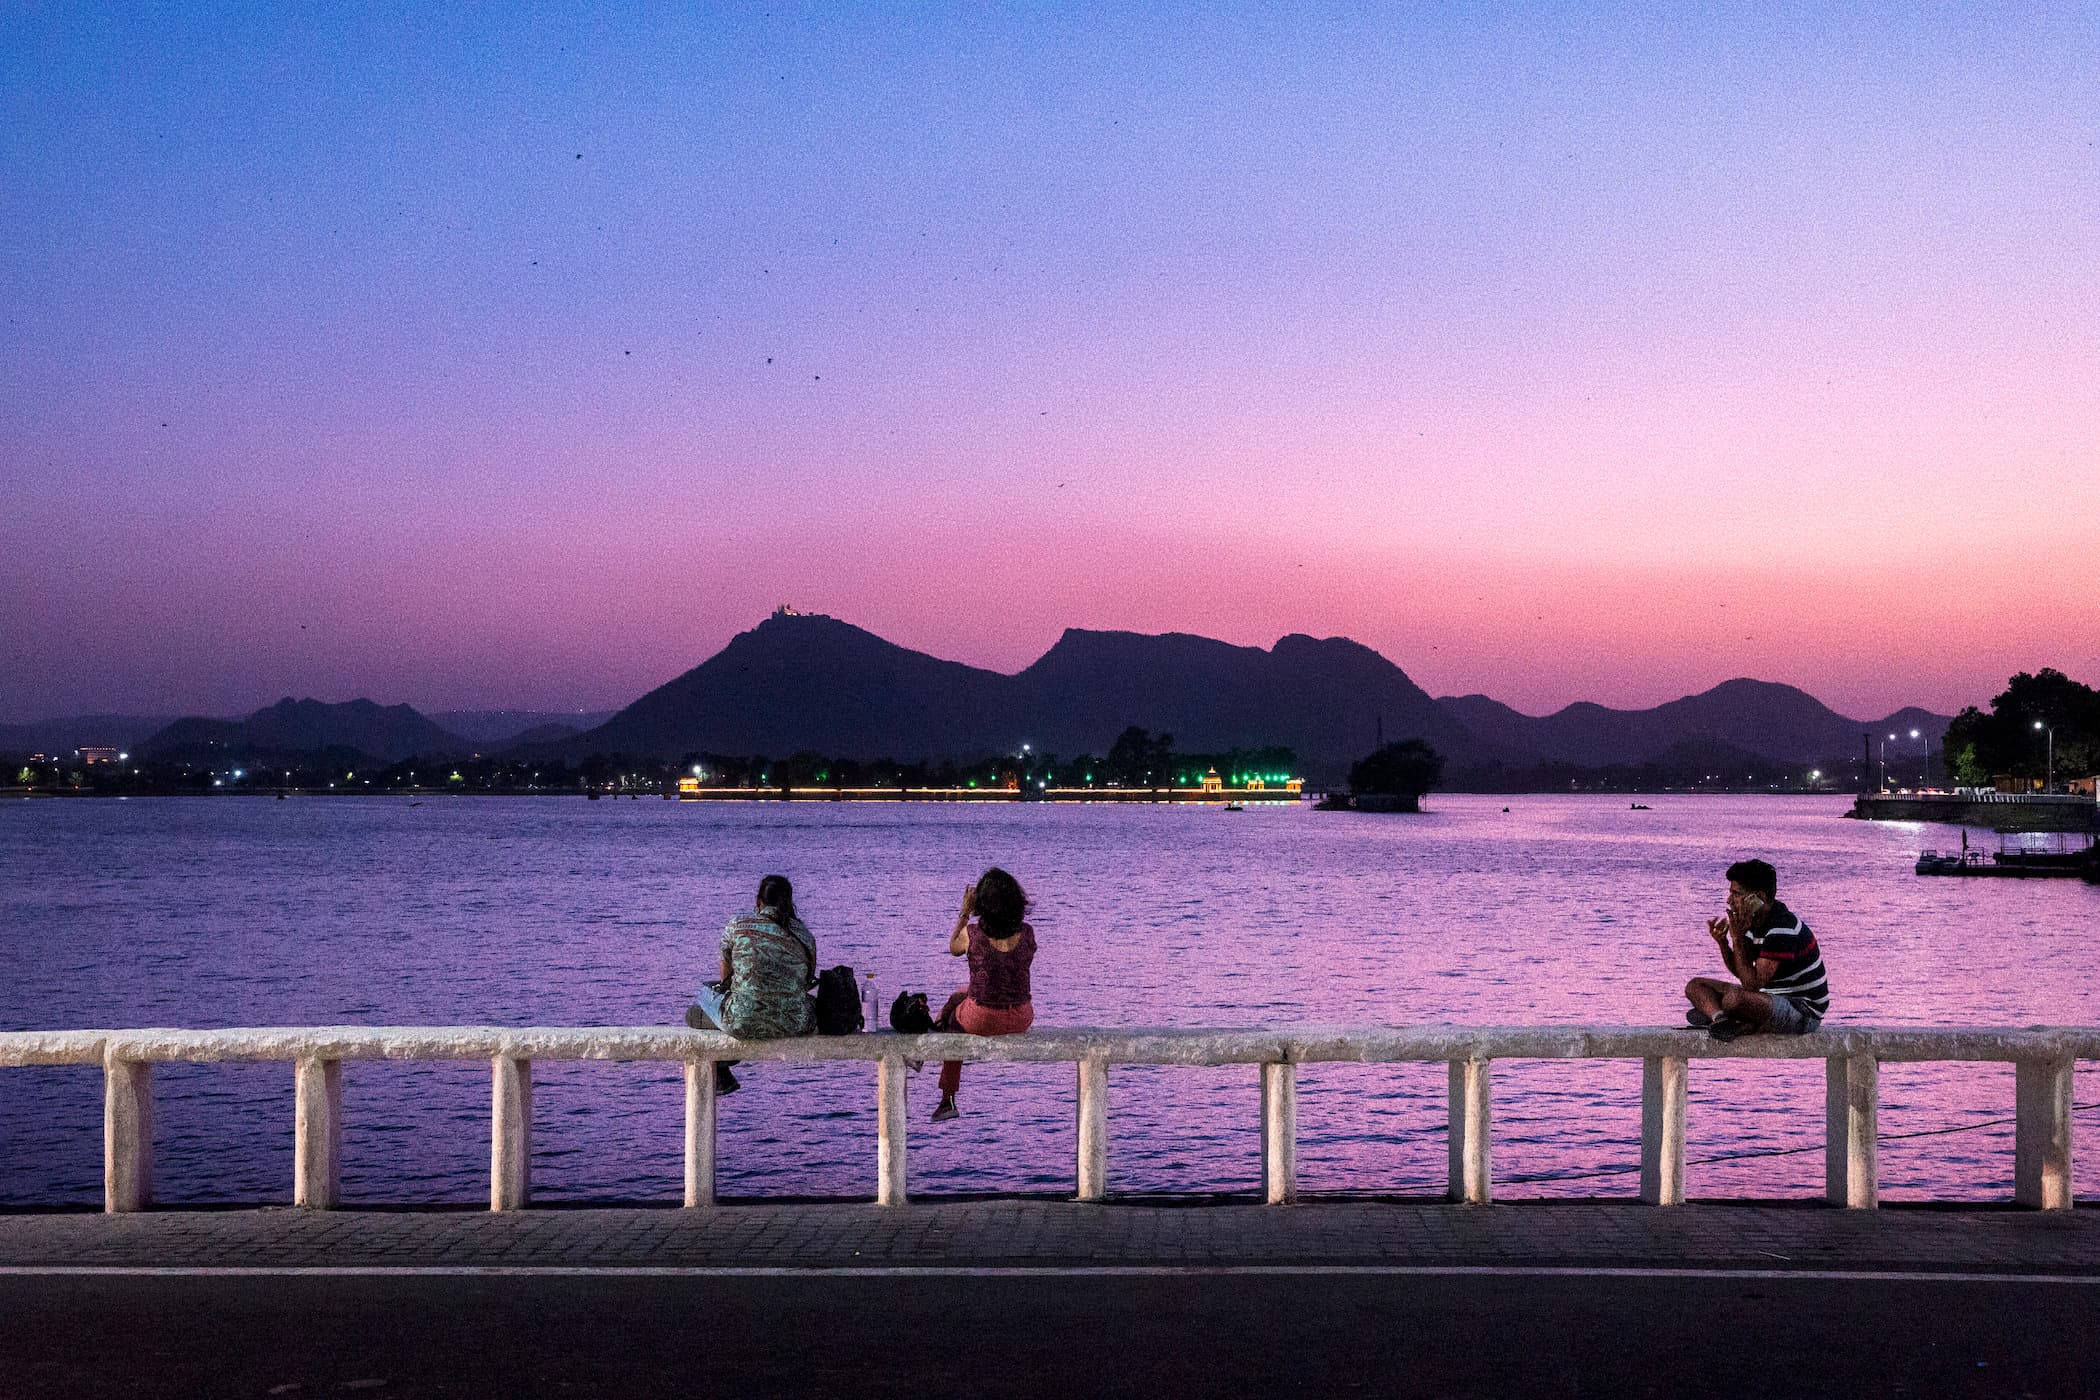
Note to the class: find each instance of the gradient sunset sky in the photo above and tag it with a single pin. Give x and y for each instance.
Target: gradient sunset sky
(521, 358)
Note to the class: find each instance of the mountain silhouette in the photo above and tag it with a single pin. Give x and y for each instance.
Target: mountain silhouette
(1764, 718)
(494, 729)
(805, 682)
(809, 683)
(385, 733)
(63, 734)
(1326, 699)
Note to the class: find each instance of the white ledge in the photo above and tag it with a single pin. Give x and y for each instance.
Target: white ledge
(1162, 1045)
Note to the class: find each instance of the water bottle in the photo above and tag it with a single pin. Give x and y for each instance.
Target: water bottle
(870, 1018)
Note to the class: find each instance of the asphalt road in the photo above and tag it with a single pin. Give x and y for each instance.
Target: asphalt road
(1150, 1335)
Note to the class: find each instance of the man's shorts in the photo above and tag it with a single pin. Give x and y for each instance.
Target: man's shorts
(1792, 1017)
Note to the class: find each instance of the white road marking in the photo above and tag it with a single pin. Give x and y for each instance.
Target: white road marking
(1020, 1271)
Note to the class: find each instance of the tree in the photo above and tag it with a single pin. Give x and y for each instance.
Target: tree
(1979, 747)
(1406, 769)
(1140, 758)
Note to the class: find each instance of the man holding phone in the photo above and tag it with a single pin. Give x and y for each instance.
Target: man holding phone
(1780, 986)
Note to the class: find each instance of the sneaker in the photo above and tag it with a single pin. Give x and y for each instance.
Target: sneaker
(1725, 1029)
(725, 1082)
(946, 1111)
(1698, 1020)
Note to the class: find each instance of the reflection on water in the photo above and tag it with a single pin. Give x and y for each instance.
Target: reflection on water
(203, 912)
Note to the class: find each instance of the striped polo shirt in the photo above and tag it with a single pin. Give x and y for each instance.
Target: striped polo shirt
(1782, 937)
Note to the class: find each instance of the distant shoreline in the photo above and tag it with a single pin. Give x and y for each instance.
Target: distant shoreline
(990, 797)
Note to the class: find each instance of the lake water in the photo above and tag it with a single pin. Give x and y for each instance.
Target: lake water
(204, 912)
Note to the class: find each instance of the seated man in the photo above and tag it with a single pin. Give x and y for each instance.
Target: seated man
(1780, 986)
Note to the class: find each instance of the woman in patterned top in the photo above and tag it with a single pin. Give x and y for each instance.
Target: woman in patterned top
(769, 958)
(993, 932)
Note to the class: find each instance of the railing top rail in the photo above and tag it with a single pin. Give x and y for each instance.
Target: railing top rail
(1164, 1045)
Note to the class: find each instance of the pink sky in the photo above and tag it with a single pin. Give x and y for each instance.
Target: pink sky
(480, 365)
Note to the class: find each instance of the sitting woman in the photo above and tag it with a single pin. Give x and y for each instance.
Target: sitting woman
(993, 932)
(769, 958)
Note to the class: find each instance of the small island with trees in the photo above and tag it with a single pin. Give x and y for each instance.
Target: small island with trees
(1394, 778)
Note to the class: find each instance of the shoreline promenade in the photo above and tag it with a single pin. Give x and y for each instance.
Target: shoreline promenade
(1106, 1294)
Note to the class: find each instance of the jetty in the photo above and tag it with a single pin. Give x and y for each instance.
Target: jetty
(2000, 811)
(1290, 791)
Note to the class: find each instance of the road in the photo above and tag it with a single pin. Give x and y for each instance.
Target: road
(1143, 1332)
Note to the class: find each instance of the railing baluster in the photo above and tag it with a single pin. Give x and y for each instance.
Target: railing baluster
(1471, 1179)
(1279, 1136)
(317, 1133)
(510, 1134)
(2042, 1134)
(127, 1134)
(889, 1131)
(699, 1133)
(1662, 1130)
(1093, 1129)
(1851, 1114)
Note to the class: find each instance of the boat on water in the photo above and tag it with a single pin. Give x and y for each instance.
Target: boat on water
(2058, 860)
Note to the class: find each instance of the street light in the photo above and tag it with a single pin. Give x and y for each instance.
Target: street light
(1885, 763)
(1924, 759)
(2048, 773)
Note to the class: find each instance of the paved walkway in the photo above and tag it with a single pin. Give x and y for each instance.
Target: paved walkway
(1048, 1300)
(1040, 1234)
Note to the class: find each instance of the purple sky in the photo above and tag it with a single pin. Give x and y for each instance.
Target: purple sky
(503, 359)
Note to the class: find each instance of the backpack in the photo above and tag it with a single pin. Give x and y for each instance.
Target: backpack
(908, 1014)
(838, 1002)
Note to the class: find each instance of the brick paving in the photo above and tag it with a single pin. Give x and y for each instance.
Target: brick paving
(1046, 1233)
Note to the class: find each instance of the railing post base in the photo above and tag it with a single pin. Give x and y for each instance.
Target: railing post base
(1851, 1117)
(1471, 1166)
(699, 1133)
(2042, 1134)
(889, 1129)
(510, 1135)
(317, 1134)
(127, 1135)
(1662, 1130)
(1279, 1133)
(1093, 1130)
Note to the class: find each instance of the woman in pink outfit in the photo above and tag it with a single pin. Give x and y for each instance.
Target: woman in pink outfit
(992, 931)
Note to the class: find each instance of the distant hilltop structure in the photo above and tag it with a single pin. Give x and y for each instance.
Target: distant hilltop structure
(790, 610)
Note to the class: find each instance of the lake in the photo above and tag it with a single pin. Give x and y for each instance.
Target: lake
(537, 911)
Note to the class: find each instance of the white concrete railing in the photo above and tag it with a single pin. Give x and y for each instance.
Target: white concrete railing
(2044, 1059)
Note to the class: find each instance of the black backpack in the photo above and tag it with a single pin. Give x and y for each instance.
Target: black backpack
(908, 1014)
(838, 1002)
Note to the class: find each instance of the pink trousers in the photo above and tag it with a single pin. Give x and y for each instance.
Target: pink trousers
(981, 1020)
